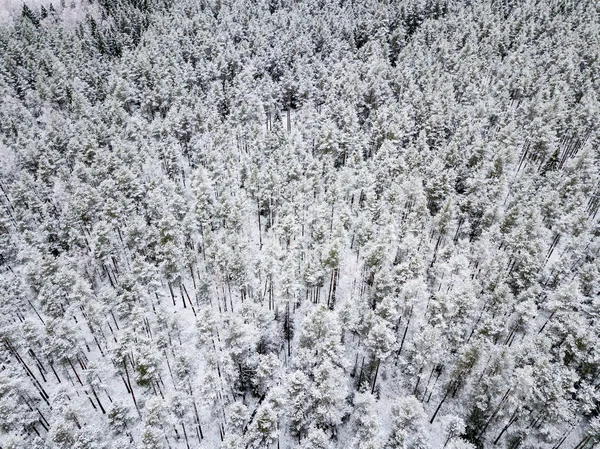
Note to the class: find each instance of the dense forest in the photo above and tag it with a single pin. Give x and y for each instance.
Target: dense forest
(308, 224)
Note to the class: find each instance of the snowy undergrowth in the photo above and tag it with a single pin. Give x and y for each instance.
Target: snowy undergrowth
(300, 225)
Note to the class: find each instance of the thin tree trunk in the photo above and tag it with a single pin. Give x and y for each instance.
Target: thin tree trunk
(440, 405)
(513, 418)
(130, 387)
(362, 364)
(187, 443)
(98, 400)
(375, 378)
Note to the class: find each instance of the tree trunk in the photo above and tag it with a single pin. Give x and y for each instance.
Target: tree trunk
(187, 443)
(172, 295)
(129, 384)
(513, 418)
(440, 405)
(362, 364)
(98, 400)
(375, 378)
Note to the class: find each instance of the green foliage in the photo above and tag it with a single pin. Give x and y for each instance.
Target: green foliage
(184, 184)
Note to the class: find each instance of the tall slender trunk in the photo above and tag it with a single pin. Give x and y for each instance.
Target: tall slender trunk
(130, 387)
(259, 226)
(440, 405)
(375, 378)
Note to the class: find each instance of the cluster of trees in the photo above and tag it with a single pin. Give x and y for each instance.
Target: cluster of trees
(301, 224)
